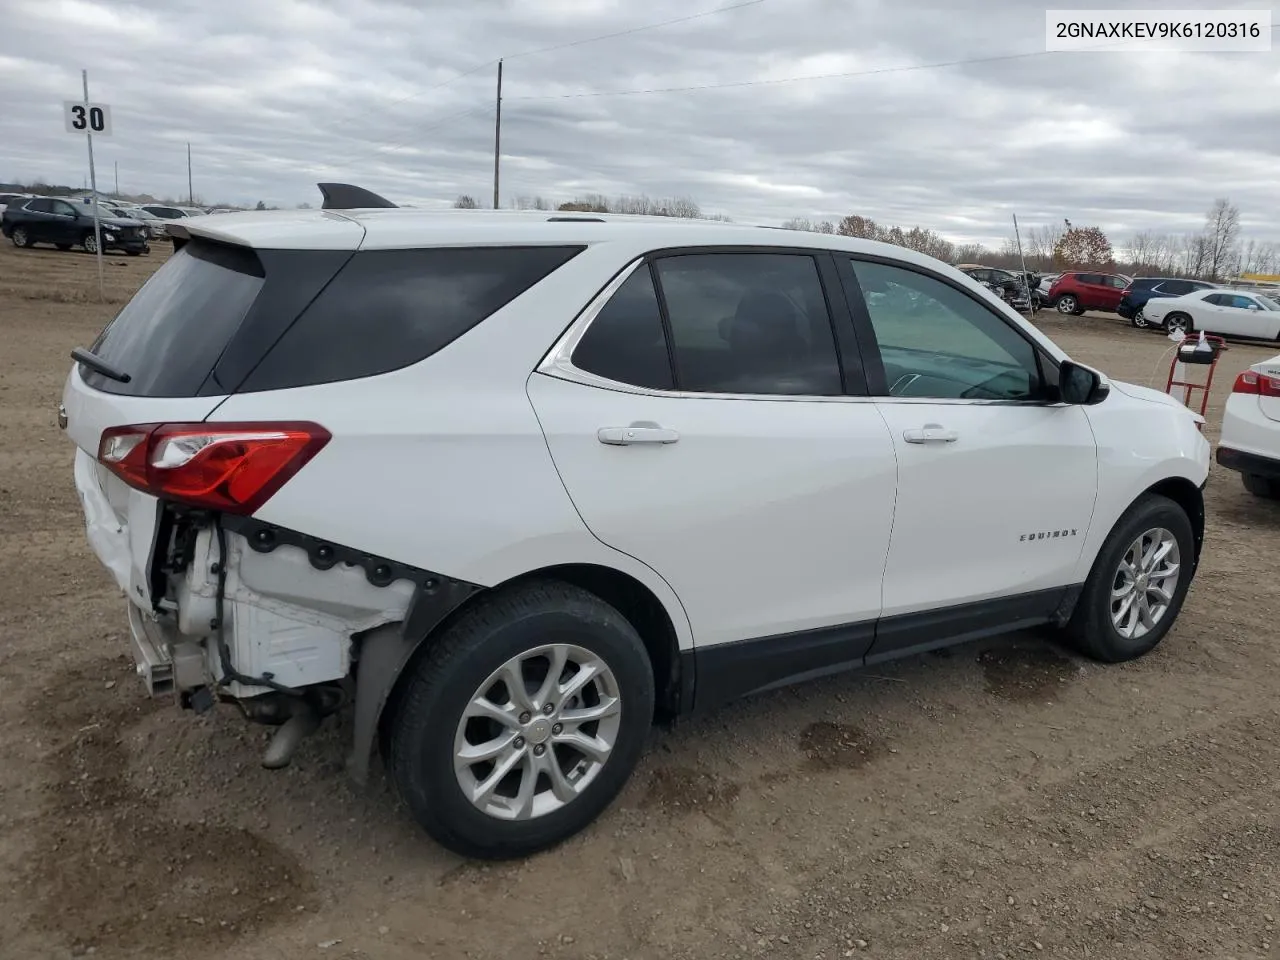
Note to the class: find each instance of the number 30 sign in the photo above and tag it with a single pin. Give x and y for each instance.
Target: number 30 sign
(94, 118)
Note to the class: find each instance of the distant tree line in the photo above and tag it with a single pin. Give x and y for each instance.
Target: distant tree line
(681, 207)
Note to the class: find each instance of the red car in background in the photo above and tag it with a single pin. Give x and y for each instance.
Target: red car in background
(1077, 291)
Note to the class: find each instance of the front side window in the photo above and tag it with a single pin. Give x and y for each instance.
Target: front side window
(937, 342)
(749, 323)
(64, 209)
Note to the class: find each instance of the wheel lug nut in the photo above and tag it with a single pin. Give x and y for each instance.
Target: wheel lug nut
(549, 709)
(539, 750)
(525, 717)
(557, 728)
(518, 743)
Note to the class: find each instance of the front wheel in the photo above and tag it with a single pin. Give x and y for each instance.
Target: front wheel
(1067, 304)
(90, 243)
(1138, 583)
(522, 722)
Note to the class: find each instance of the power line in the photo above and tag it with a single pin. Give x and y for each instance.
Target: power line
(817, 76)
(572, 43)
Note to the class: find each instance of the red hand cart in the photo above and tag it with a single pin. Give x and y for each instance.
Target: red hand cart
(1195, 350)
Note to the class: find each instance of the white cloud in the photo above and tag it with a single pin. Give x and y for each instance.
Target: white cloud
(276, 94)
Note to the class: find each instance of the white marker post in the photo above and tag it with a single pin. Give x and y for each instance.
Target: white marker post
(90, 118)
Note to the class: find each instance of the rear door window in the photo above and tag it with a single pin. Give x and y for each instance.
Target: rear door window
(388, 309)
(170, 335)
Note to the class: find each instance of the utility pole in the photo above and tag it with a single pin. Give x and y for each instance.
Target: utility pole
(93, 183)
(117, 166)
(497, 137)
(191, 194)
(1026, 289)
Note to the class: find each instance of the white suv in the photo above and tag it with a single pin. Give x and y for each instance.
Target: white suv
(510, 486)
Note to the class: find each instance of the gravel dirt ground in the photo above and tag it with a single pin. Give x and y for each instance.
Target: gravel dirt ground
(1006, 799)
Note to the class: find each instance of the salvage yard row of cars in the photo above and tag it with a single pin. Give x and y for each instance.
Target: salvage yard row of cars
(67, 222)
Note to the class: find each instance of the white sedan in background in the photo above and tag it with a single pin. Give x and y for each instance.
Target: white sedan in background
(1225, 312)
(1250, 440)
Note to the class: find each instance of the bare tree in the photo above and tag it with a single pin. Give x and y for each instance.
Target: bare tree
(857, 226)
(1040, 243)
(466, 202)
(971, 253)
(1222, 235)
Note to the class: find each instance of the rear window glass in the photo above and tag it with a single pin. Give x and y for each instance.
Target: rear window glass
(170, 335)
(387, 309)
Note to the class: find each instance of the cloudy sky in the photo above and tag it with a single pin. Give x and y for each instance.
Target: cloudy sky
(274, 95)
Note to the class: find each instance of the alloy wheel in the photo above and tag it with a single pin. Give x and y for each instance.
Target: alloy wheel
(1145, 583)
(537, 732)
(19, 237)
(1067, 305)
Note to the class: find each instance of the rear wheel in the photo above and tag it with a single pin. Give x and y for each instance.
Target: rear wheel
(1261, 486)
(21, 238)
(1140, 321)
(519, 726)
(1067, 304)
(1178, 321)
(1138, 583)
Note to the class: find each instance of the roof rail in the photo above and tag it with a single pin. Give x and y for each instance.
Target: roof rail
(346, 196)
(575, 220)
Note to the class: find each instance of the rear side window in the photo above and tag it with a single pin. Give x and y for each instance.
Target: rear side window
(625, 342)
(750, 323)
(387, 309)
(170, 335)
(39, 206)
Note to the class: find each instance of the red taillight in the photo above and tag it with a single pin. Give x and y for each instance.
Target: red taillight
(231, 467)
(1256, 383)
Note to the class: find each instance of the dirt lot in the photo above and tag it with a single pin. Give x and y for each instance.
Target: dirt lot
(1004, 800)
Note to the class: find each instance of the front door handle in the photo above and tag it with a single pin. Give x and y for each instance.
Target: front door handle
(930, 433)
(645, 432)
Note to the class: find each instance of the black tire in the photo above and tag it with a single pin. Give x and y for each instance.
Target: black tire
(1261, 486)
(63, 246)
(21, 238)
(1067, 304)
(452, 670)
(90, 243)
(1140, 321)
(1091, 630)
(1175, 320)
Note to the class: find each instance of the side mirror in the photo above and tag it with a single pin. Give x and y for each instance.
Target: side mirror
(1254, 307)
(1078, 384)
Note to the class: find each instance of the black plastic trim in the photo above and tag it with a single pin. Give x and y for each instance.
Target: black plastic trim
(1250, 463)
(435, 596)
(912, 633)
(727, 671)
(346, 196)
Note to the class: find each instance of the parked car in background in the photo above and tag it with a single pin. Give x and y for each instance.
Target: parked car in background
(1225, 312)
(508, 626)
(67, 224)
(1074, 292)
(1006, 284)
(164, 211)
(1142, 289)
(8, 198)
(1250, 438)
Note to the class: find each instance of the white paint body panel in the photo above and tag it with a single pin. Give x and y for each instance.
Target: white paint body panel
(1251, 423)
(1211, 318)
(966, 508)
(766, 516)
